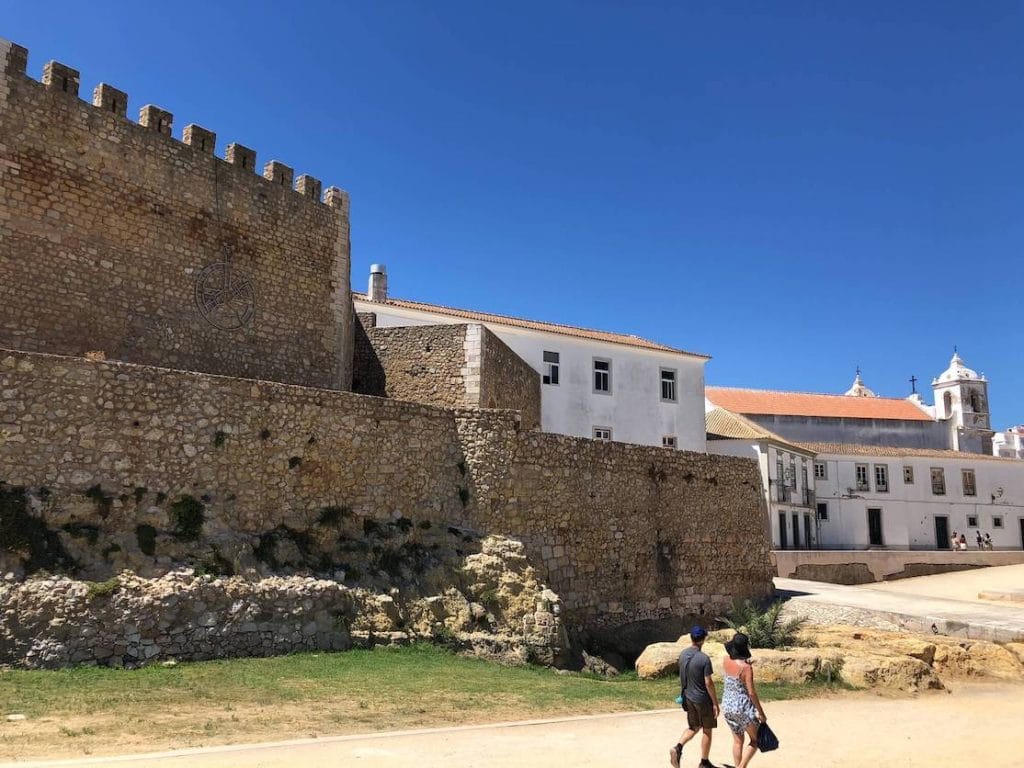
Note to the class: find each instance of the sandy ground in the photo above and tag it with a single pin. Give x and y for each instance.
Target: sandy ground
(959, 585)
(975, 723)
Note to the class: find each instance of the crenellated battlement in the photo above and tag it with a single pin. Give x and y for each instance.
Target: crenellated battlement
(181, 253)
(61, 78)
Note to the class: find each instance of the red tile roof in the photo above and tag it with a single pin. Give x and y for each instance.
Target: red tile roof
(761, 401)
(533, 325)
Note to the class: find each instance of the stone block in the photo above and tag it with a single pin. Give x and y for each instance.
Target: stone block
(110, 99)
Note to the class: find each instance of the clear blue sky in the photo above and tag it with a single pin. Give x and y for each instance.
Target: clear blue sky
(796, 188)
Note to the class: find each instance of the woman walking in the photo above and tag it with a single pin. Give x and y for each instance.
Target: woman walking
(741, 708)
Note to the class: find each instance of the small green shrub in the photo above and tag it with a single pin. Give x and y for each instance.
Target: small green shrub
(98, 589)
(372, 527)
(187, 516)
(161, 497)
(21, 531)
(219, 438)
(424, 525)
(103, 501)
(404, 524)
(146, 536)
(264, 434)
(764, 626)
(90, 533)
(333, 515)
(110, 549)
(140, 493)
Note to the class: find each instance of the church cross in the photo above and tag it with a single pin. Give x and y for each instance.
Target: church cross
(913, 385)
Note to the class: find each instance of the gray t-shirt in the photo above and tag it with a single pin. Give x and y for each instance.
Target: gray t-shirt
(696, 690)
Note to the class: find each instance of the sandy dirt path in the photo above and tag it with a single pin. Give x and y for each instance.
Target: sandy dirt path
(974, 724)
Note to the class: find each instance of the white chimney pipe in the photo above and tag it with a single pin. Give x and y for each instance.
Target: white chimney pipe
(378, 290)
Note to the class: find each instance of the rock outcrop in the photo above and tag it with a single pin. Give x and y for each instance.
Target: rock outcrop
(501, 610)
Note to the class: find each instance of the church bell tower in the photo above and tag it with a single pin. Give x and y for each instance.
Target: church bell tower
(961, 399)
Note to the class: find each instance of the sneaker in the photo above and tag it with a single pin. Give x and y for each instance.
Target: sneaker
(707, 764)
(673, 757)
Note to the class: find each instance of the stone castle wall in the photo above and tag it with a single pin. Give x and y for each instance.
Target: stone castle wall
(451, 366)
(124, 466)
(117, 238)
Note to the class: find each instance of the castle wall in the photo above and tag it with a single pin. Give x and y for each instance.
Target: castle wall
(624, 533)
(117, 238)
(452, 366)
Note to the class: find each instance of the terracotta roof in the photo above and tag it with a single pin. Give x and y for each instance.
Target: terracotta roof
(849, 449)
(762, 401)
(721, 423)
(533, 325)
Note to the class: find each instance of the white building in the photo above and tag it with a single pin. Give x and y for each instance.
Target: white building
(887, 472)
(596, 384)
(786, 475)
(906, 498)
(1009, 443)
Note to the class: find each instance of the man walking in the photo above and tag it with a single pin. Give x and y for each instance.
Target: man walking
(699, 698)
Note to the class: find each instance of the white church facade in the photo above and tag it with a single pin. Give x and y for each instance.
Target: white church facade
(888, 473)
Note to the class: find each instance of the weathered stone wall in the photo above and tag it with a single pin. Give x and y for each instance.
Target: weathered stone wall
(421, 364)
(626, 533)
(129, 621)
(131, 466)
(452, 366)
(507, 381)
(116, 238)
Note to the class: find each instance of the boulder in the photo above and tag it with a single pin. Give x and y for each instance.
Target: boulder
(659, 660)
(797, 665)
(871, 641)
(976, 658)
(1017, 649)
(662, 659)
(903, 673)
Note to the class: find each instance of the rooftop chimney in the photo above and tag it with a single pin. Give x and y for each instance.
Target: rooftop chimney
(378, 290)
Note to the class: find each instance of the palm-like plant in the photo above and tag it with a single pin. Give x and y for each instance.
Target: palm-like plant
(764, 627)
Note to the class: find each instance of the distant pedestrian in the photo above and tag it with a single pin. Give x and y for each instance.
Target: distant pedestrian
(954, 541)
(699, 698)
(963, 543)
(741, 707)
(988, 541)
(978, 538)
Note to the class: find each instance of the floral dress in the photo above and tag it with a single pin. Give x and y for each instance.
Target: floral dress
(737, 708)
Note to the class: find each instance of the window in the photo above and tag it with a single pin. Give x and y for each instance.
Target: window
(820, 470)
(938, 481)
(822, 510)
(970, 485)
(550, 375)
(803, 476)
(602, 375)
(862, 478)
(882, 478)
(997, 521)
(668, 385)
(602, 433)
(669, 441)
(791, 477)
(972, 521)
(908, 475)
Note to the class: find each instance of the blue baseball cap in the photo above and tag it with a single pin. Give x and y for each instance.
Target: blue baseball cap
(698, 632)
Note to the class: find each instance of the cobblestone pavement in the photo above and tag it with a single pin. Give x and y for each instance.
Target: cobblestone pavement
(851, 731)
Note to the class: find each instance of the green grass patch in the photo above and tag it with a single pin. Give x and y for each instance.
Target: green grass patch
(384, 677)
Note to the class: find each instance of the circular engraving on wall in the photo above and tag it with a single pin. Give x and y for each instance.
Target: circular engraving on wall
(225, 296)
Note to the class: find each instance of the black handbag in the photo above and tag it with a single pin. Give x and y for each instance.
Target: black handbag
(766, 738)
